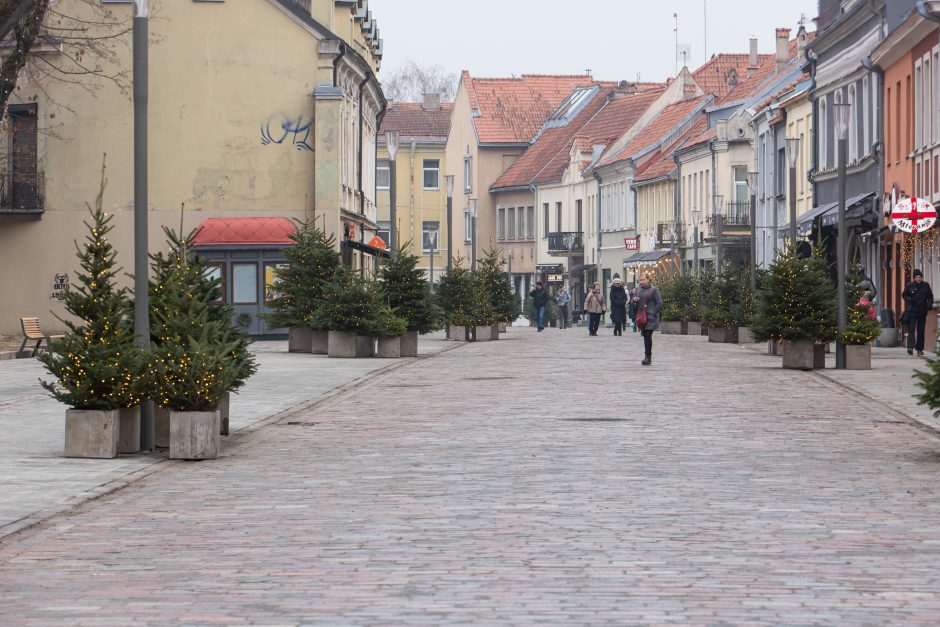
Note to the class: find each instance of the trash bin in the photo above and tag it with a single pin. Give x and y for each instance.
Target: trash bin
(890, 335)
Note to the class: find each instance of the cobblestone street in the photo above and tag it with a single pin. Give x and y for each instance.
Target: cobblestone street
(543, 478)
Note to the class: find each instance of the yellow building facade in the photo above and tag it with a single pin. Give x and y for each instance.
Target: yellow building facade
(256, 108)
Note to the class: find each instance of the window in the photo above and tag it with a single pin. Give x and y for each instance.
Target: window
(530, 222)
(823, 133)
(854, 126)
(520, 223)
(578, 216)
(245, 283)
(897, 121)
(467, 226)
(740, 184)
(501, 223)
(558, 216)
(23, 142)
(781, 172)
(545, 220)
(384, 232)
(863, 117)
(217, 271)
(468, 173)
(381, 174)
(270, 275)
(432, 174)
(918, 106)
(511, 223)
(430, 240)
(836, 100)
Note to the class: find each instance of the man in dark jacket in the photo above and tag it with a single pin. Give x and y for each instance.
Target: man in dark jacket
(919, 299)
(539, 300)
(618, 306)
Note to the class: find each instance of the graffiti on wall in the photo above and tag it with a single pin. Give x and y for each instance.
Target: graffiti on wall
(60, 287)
(282, 129)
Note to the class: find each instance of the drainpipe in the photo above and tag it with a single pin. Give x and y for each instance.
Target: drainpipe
(362, 196)
(876, 153)
(535, 195)
(811, 96)
(342, 53)
(711, 149)
(677, 211)
(597, 243)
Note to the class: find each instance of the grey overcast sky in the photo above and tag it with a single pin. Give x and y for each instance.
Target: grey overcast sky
(616, 39)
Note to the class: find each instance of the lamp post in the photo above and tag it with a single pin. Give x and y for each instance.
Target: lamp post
(752, 187)
(432, 244)
(843, 115)
(793, 151)
(141, 258)
(449, 184)
(473, 234)
(695, 222)
(391, 143)
(717, 200)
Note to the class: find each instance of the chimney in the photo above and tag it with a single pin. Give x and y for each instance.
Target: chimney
(626, 87)
(783, 48)
(432, 102)
(801, 38)
(753, 61)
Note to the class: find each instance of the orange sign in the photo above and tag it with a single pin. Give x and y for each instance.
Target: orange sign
(378, 242)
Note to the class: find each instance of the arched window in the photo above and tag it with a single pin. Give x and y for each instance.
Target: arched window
(823, 134)
(853, 127)
(863, 117)
(836, 100)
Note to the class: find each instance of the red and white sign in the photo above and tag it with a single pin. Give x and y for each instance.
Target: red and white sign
(913, 215)
(632, 243)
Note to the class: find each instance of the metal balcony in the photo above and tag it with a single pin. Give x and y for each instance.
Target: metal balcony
(19, 196)
(669, 233)
(566, 243)
(735, 219)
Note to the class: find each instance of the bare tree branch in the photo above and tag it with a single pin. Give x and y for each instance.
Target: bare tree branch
(411, 81)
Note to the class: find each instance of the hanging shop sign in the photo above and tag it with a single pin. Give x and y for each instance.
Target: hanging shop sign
(632, 243)
(913, 215)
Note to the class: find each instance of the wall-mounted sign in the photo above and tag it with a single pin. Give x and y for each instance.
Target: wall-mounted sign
(60, 287)
(632, 243)
(556, 278)
(913, 215)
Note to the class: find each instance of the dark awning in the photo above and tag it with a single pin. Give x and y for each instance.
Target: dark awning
(805, 220)
(855, 207)
(369, 250)
(645, 258)
(582, 268)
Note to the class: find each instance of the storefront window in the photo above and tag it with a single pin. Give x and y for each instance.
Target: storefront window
(245, 283)
(270, 275)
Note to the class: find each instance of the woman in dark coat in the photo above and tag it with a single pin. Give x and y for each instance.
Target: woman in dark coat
(650, 302)
(618, 306)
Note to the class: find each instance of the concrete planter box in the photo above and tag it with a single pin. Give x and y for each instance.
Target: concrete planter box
(744, 336)
(799, 355)
(858, 357)
(485, 334)
(161, 426)
(819, 356)
(298, 339)
(694, 328)
(129, 431)
(723, 335)
(224, 404)
(194, 434)
(774, 347)
(889, 338)
(502, 327)
(319, 342)
(389, 347)
(409, 344)
(92, 433)
(457, 334)
(673, 327)
(346, 345)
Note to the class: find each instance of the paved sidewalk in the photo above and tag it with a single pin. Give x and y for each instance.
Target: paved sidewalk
(545, 478)
(38, 481)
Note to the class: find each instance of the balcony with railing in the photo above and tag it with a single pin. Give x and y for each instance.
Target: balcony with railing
(735, 219)
(669, 233)
(19, 195)
(566, 243)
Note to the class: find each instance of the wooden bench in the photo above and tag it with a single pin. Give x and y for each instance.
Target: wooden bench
(32, 331)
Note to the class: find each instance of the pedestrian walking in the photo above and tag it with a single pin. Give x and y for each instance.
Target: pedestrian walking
(631, 309)
(919, 300)
(539, 300)
(618, 306)
(562, 298)
(595, 305)
(649, 304)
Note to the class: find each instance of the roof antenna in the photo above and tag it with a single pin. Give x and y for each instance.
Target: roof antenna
(588, 72)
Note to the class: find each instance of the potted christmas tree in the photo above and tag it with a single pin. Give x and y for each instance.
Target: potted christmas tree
(671, 322)
(197, 359)
(98, 369)
(405, 289)
(861, 327)
(796, 305)
(347, 312)
(455, 297)
(722, 309)
(388, 328)
(494, 281)
(746, 306)
(312, 261)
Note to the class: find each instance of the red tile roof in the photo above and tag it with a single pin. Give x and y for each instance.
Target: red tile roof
(511, 110)
(230, 231)
(663, 163)
(414, 122)
(608, 115)
(657, 130)
(712, 76)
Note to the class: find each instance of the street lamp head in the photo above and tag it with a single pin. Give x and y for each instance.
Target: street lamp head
(793, 150)
(843, 116)
(473, 207)
(449, 184)
(391, 143)
(752, 182)
(142, 10)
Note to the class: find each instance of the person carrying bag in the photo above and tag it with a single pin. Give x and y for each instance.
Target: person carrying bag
(649, 305)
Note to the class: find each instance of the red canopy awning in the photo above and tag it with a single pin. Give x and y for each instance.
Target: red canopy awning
(244, 231)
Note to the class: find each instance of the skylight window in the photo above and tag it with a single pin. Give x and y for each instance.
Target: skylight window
(572, 104)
